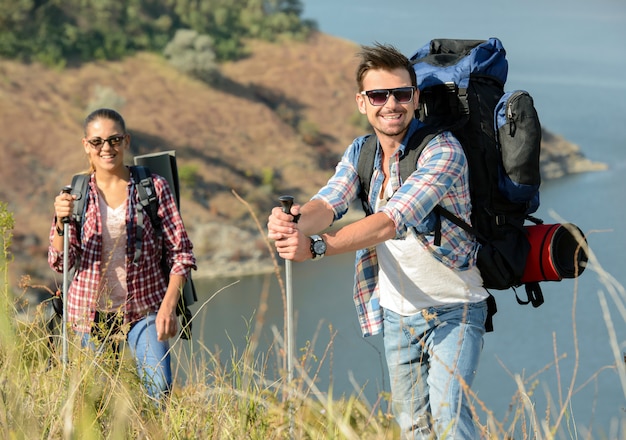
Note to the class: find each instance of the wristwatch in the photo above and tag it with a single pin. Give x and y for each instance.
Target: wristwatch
(318, 247)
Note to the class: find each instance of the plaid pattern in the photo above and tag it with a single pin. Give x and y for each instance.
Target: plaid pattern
(441, 178)
(146, 282)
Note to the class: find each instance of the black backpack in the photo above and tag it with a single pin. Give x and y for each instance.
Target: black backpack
(461, 86)
(149, 204)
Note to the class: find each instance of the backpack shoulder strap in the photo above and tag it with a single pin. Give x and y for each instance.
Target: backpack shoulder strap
(148, 203)
(415, 146)
(147, 194)
(365, 169)
(408, 162)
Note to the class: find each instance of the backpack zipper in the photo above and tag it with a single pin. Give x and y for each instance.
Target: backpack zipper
(510, 116)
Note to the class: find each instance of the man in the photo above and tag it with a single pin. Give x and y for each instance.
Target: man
(428, 300)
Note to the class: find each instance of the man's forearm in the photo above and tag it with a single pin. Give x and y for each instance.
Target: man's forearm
(315, 216)
(364, 233)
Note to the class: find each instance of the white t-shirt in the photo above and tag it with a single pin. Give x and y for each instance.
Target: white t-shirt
(411, 279)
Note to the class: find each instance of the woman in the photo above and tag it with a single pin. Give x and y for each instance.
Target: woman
(110, 289)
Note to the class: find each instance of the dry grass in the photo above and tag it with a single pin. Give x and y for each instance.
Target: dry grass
(237, 398)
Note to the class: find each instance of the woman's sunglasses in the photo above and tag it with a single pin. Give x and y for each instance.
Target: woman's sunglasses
(378, 97)
(114, 141)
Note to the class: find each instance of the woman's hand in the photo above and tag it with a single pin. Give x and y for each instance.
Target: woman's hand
(166, 322)
(63, 206)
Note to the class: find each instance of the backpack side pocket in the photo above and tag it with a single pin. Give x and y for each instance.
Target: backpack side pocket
(518, 135)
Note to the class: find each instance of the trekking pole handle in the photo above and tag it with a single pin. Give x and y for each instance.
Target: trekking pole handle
(66, 190)
(287, 203)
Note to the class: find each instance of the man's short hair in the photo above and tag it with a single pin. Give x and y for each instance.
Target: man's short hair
(382, 56)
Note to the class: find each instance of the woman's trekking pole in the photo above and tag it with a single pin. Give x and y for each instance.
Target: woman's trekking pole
(287, 202)
(66, 279)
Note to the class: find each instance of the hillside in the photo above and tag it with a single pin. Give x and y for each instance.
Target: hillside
(240, 135)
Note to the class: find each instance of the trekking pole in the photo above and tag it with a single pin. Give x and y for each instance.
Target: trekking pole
(66, 280)
(287, 202)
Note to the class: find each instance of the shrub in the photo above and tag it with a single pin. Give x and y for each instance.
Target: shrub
(359, 120)
(192, 54)
(310, 132)
(188, 176)
(105, 97)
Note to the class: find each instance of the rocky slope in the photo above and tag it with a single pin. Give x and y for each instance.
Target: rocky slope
(276, 123)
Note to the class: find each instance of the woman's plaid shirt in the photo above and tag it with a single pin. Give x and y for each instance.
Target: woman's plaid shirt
(146, 282)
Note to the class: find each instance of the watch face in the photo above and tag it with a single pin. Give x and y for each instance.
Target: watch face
(319, 247)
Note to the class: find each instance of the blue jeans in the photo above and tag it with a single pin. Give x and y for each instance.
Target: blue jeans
(152, 357)
(432, 359)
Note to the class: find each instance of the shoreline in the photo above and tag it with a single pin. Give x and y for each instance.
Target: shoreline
(217, 257)
(220, 259)
(233, 269)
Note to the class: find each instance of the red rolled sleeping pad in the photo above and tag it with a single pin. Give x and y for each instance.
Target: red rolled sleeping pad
(557, 251)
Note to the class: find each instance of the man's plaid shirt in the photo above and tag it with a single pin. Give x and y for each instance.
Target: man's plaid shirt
(441, 178)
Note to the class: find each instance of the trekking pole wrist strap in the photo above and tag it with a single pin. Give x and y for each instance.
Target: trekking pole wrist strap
(59, 229)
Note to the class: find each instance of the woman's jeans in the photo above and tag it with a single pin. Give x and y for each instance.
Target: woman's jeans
(152, 356)
(432, 358)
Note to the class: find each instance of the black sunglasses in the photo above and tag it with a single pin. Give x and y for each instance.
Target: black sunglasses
(379, 97)
(114, 141)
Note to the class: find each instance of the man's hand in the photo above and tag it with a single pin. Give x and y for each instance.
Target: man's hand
(290, 242)
(281, 224)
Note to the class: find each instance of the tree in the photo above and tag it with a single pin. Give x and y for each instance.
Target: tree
(60, 31)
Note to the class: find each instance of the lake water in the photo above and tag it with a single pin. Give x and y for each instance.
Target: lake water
(570, 56)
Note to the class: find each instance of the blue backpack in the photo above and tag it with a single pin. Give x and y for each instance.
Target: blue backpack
(461, 85)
